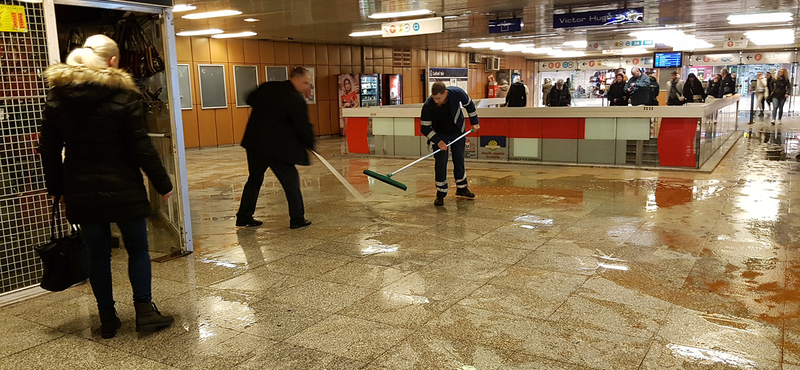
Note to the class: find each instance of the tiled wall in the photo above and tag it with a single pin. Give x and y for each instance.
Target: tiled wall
(212, 127)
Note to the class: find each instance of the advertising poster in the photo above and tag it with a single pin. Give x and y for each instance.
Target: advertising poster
(313, 98)
(470, 150)
(348, 91)
(450, 76)
(493, 147)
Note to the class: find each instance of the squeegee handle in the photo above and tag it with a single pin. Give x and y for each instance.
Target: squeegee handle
(429, 155)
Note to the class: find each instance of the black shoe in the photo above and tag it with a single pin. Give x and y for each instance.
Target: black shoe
(439, 201)
(304, 223)
(249, 223)
(464, 192)
(109, 323)
(148, 318)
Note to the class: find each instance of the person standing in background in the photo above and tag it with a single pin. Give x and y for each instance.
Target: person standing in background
(638, 88)
(770, 79)
(781, 89)
(517, 95)
(502, 91)
(278, 136)
(546, 87)
(693, 89)
(559, 96)
(95, 111)
(727, 86)
(616, 92)
(761, 89)
(675, 90)
(655, 89)
(714, 88)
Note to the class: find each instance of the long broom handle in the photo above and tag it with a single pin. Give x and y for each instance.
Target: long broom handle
(429, 155)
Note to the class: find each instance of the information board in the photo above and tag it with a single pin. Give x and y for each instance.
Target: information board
(245, 79)
(277, 74)
(450, 76)
(213, 91)
(668, 60)
(184, 81)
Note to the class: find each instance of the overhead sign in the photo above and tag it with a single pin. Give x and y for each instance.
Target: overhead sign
(598, 64)
(768, 57)
(620, 44)
(599, 18)
(629, 62)
(505, 25)
(733, 44)
(12, 18)
(557, 65)
(714, 59)
(450, 76)
(413, 27)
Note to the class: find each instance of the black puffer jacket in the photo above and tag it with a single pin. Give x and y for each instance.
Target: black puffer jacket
(278, 127)
(617, 95)
(96, 115)
(559, 98)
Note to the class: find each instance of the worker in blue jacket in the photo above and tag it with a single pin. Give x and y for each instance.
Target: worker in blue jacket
(442, 121)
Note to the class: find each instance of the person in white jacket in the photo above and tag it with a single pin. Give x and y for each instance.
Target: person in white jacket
(761, 90)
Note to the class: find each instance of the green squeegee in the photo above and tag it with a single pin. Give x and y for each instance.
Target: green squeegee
(388, 178)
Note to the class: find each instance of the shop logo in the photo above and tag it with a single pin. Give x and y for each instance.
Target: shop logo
(759, 57)
(493, 145)
(416, 26)
(591, 63)
(393, 29)
(551, 65)
(636, 61)
(565, 64)
(407, 27)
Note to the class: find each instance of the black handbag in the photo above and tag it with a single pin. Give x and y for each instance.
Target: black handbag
(65, 257)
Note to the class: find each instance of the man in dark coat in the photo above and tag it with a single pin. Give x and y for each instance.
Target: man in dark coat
(278, 135)
(517, 95)
(559, 96)
(728, 86)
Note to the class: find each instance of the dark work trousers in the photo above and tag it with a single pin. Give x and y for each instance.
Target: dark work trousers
(97, 237)
(286, 173)
(458, 165)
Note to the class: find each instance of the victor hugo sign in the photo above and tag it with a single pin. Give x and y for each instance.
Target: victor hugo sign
(599, 18)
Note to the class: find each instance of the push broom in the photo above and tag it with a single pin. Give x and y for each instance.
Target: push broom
(388, 178)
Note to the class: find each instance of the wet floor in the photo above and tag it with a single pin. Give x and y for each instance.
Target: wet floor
(548, 268)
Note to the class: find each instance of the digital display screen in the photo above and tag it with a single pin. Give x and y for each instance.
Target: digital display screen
(668, 60)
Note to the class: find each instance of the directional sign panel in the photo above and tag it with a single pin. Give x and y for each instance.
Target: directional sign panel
(598, 64)
(714, 59)
(413, 27)
(557, 65)
(768, 57)
(629, 62)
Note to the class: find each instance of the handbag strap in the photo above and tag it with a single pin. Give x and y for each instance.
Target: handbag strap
(56, 219)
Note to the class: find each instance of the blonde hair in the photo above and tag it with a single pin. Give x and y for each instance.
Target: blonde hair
(95, 53)
(783, 72)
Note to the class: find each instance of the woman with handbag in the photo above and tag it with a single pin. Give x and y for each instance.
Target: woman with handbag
(693, 89)
(94, 110)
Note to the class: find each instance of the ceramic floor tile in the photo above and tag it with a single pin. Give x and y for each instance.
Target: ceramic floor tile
(350, 337)
(283, 356)
(20, 334)
(363, 275)
(533, 301)
(67, 352)
(443, 290)
(423, 351)
(278, 321)
(226, 354)
(322, 295)
(525, 361)
(458, 266)
(307, 266)
(82, 314)
(487, 328)
(675, 356)
(259, 282)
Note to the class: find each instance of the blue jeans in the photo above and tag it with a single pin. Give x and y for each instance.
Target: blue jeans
(98, 238)
(777, 107)
(458, 164)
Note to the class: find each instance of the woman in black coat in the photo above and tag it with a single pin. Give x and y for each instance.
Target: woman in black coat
(693, 89)
(616, 92)
(94, 111)
(714, 87)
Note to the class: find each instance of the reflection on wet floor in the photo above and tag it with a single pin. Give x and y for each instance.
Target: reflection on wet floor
(548, 268)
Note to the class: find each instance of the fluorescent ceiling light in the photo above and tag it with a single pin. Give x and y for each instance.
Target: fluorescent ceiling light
(566, 54)
(633, 51)
(537, 50)
(771, 37)
(409, 13)
(183, 8)
(366, 33)
(658, 36)
(498, 46)
(517, 47)
(252, 20)
(476, 45)
(760, 18)
(577, 44)
(232, 35)
(213, 31)
(214, 14)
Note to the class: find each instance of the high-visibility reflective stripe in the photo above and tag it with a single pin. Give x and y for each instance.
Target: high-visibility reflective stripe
(473, 114)
(443, 183)
(462, 180)
(431, 134)
(442, 190)
(462, 186)
(426, 123)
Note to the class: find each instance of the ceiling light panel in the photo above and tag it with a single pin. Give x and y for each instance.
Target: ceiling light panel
(410, 13)
(214, 14)
(760, 18)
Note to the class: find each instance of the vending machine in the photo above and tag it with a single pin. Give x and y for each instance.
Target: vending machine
(392, 89)
(370, 90)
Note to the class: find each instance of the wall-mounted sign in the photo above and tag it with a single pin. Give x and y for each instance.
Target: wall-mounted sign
(450, 76)
(598, 64)
(12, 18)
(413, 27)
(768, 57)
(713, 59)
(734, 44)
(599, 18)
(629, 62)
(505, 25)
(557, 65)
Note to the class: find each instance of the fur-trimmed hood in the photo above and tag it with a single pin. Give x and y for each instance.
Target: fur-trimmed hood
(63, 75)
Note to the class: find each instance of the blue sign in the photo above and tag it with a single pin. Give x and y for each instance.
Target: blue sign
(416, 26)
(599, 18)
(505, 25)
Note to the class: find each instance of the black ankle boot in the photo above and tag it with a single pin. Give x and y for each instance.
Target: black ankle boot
(109, 323)
(149, 319)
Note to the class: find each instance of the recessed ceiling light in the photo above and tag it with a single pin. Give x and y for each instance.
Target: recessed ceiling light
(252, 20)
(760, 18)
(232, 35)
(566, 54)
(544, 50)
(771, 37)
(409, 13)
(498, 46)
(214, 14)
(183, 8)
(212, 31)
(366, 33)
(577, 44)
(633, 51)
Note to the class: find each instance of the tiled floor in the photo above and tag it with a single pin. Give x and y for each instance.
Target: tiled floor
(548, 268)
